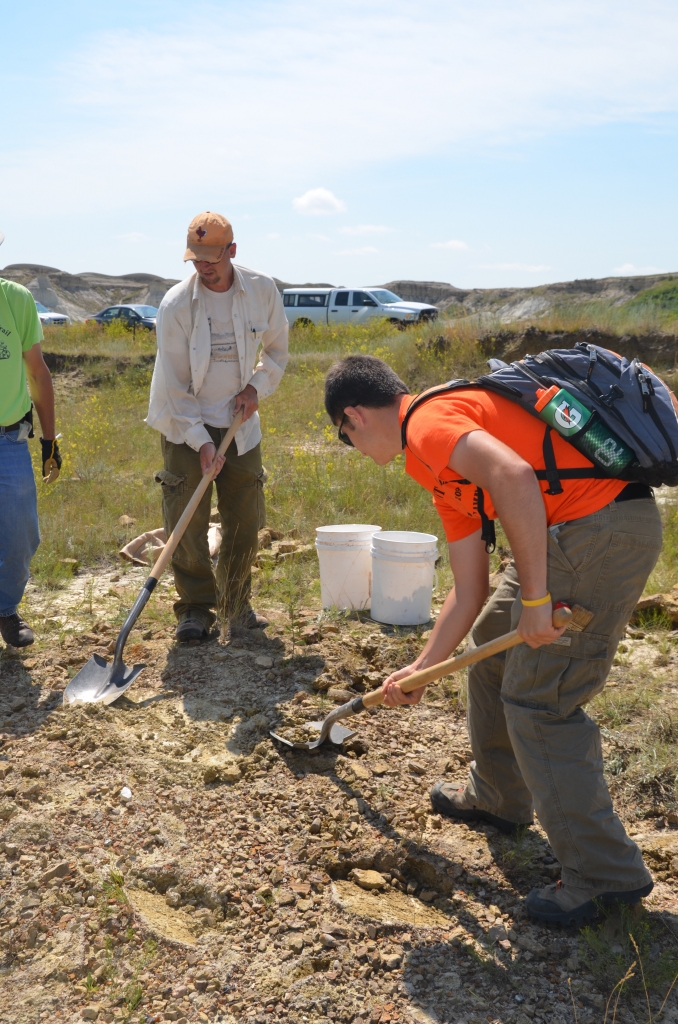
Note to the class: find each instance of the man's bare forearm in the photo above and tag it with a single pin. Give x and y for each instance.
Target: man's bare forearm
(470, 565)
(520, 508)
(42, 392)
(517, 498)
(455, 619)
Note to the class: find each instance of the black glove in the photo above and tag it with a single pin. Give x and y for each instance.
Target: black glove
(51, 460)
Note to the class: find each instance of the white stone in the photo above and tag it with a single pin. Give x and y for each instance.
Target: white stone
(126, 793)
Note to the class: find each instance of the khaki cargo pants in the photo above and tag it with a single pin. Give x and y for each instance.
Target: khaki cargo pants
(535, 748)
(240, 500)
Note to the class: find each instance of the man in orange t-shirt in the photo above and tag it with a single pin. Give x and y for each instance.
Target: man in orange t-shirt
(594, 544)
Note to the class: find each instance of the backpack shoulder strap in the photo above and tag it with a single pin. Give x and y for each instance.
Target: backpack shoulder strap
(440, 389)
(487, 535)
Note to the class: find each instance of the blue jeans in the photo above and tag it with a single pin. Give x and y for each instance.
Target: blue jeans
(19, 532)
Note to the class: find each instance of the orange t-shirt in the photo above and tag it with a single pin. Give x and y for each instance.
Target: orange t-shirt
(437, 425)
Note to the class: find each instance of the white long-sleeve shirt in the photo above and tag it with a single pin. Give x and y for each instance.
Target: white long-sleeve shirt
(185, 349)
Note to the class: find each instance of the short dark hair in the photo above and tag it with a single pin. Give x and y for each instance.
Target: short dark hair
(361, 380)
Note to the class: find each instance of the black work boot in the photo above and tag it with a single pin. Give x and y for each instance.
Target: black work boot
(568, 904)
(452, 802)
(192, 627)
(248, 619)
(15, 632)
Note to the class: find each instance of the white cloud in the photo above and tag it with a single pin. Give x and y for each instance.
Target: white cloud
(318, 202)
(364, 250)
(365, 229)
(454, 243)
(509, 71)
(629, 270)
(530, 268)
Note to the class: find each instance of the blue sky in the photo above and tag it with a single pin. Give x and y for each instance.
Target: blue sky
(485, 144)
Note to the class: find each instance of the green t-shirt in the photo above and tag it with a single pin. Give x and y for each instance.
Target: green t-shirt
(20, 329)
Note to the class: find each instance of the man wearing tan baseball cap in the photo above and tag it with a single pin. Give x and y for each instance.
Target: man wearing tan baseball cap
(222, 346)
(208, 235)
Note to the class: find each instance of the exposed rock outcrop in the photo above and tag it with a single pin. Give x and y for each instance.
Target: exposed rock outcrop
(81, 295)
(519, 303)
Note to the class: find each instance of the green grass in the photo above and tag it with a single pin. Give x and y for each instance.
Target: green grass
(133, 994)
(662, 300)
(93, 340)
(113, 888)
(616, 707)
(110, 456)
(573, 317)
(625, 939)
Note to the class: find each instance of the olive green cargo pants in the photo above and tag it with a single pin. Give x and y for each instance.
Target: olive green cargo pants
(534, 747)
(240, 500)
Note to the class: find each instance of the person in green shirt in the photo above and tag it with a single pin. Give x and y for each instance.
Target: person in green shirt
(23, 376)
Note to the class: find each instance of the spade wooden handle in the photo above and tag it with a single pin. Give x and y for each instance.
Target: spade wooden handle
(179, 530)
(561, 617)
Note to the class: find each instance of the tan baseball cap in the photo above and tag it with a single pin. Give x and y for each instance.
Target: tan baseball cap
(208, 236)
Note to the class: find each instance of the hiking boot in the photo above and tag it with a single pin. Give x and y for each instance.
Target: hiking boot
(567, 904)
(248, 619)
(15, 631)
(452, 802)
(193, 629)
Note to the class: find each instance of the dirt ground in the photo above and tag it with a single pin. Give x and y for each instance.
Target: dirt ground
(163, 859)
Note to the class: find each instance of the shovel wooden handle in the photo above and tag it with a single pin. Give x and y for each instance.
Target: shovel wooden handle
(187, 515)
(561, 617)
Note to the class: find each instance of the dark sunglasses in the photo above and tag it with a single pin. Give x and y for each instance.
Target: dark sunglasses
(344, 438)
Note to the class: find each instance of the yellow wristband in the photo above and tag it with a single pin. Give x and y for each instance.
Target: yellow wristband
(539, 601)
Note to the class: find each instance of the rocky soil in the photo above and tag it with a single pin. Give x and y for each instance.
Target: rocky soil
(163, 859)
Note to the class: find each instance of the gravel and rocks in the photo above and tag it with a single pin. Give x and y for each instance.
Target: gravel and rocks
(162, 859)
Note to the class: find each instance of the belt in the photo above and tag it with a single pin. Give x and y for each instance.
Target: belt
(11, 426)
(635, 491)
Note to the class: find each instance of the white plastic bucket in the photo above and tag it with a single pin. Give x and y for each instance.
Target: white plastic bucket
(403, 567)
(345, 565)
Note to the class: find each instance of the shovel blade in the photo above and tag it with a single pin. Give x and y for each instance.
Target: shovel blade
(94, 683)
(338, 733)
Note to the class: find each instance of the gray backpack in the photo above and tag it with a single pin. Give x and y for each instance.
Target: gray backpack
(625, 399)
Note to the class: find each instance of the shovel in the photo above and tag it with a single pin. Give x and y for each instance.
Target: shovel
(577, 618)
(100, 683)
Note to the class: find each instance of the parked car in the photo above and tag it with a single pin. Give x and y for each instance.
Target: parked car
(134, 316)
(354, 305)
(49, 317)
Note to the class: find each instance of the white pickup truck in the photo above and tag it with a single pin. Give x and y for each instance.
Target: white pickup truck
(305, 306)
